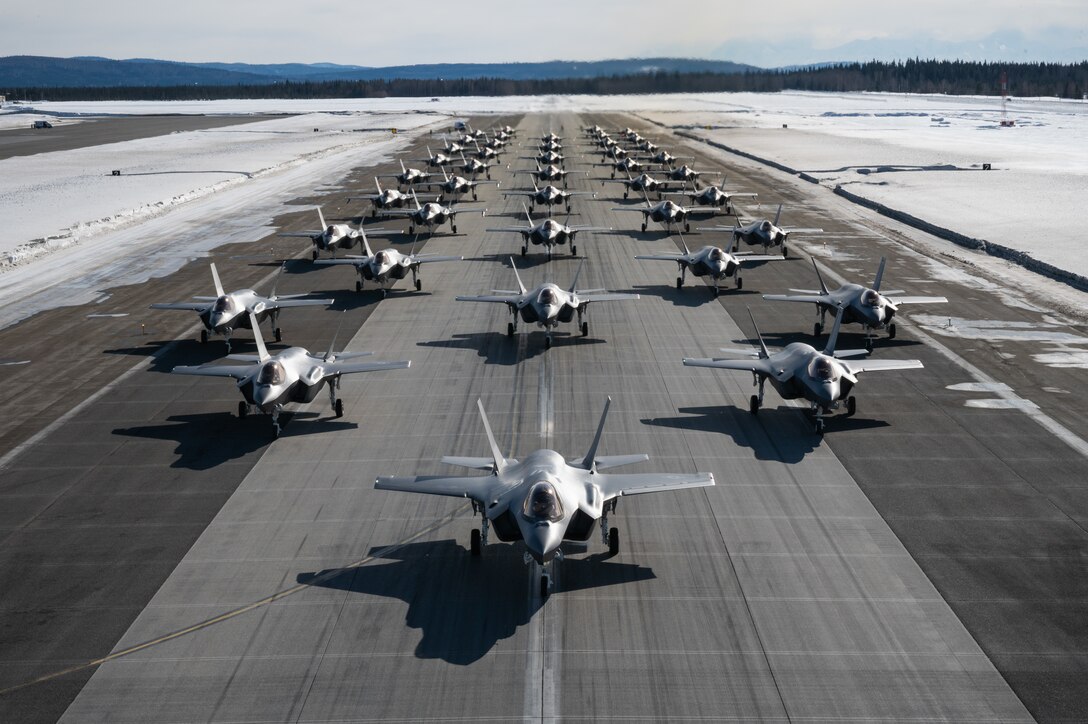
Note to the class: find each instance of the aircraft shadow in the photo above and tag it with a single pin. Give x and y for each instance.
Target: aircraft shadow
(168, 354)
(497, 348)
(778, 434)
(205, 440)
(691, 295)
(463, 605)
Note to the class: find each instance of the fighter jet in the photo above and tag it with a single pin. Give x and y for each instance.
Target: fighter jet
(437, 160)
(627, 165)
(801, 372)
(551, 138)
(646, 146)
(486, 152)
(432, 215)
(408, 176)
(685, 174)
(555, 146)
(551, 172)
(862, 305)
(387, 266)
(269, 382)
(385, 199)
(545, 499)
(547, 305)
(330, 238)
(613, 149)
(549, 196)
(453, 148)
(224, 313)
(473, 167)
(548, 158)
(666, 160)
(710, 261)
(666, 213)
(641, 184)
(457, 186)
(548, 233)
(716, 197)
(767, 233)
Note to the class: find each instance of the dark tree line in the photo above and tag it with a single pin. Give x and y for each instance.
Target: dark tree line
(911, 76)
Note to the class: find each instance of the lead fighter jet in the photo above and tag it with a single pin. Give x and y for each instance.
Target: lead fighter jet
(226, 312)
(547, 305)
(294, 375)
(861, 305)
(545, 499)
(801, 372)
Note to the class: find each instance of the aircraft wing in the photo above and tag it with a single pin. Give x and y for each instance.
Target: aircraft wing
(347, 368)
(586, 299)
(613, 485)
(759, 257)
(661, 257)
(356, 260)
(469, 211)
(475, 487)
(810, 298)
(640, 209)
(238, 372)
(285, 303)
(875, 365)
(917, 300)
(798, 230)
(505, 299)
(423, 258)
(399, 212)
(192, 306)
(590, 228)
(582, 193)
(301, 234)
(759, 366)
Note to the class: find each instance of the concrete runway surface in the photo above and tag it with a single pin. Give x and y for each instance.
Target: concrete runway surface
(924, 560)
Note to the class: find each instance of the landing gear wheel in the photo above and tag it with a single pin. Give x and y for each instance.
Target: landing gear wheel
(613, 541)
(454, 227)
(574, 252)
(385, 293)
(524, 250)
(358, 286)
(891, 331)
(740, 283)
(203, 336)
(785, 251)
(851, 406)
(547, 343)
(243, 410)
(543, 586)
(277, 333)
(644, 228)
(716, 292)
(509, 329)
(338, 407)
(679, 282)
(625, 195)
(411, 229)
(817, 329)
(419, 285)
(753, 404)
(585, 329)
(314, 256)
(868, 345)
(687, 228)
(474, 545)
(819, 426)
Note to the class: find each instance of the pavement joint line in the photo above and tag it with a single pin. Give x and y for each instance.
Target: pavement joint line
(441, 522)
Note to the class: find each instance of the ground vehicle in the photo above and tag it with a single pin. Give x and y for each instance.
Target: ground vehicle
(41, 124)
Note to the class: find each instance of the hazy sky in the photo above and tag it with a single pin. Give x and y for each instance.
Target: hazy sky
(363, 32)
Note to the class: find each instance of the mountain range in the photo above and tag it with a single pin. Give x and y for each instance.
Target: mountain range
(29, 71)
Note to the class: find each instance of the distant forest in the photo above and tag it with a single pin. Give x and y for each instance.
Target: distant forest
(912, 76)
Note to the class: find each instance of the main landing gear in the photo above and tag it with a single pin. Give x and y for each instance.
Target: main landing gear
(336, 403)
(610, 536)
(478, 537)
(756, 401)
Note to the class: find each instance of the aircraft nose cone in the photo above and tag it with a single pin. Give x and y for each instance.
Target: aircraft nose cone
(263, 394)
(541, 541)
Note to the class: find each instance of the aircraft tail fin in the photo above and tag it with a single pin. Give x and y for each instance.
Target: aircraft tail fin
(258, 338)
(276, 281)
(332, 345)
(378, 184)
(591, 455)
(879, 273)
(496, 454)
(321, 217)
(517, 276)
(218, 284)
(778, 215)
(683, 242)
(527, 214)
(834, 336)
(416, 199)
(823, 287)
(763, 353)
(366, 243)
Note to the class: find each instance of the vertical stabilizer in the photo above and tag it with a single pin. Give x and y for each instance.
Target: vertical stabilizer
(823, 287)
(496, 454)
(834, 336)
(517, 276)
(763, 353)
(218, 284)
(262, 351)
(879, 273)
(587, 461)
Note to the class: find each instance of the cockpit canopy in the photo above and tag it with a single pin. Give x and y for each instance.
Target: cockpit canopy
(271, 373)
(716, 254)
(765, 227)
(823, 369)
(870, 298)
(548, 296)
(381, 257)
(542, 503)
(224, 304)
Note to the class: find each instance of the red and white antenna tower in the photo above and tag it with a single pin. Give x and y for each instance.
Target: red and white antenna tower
(1005, 121)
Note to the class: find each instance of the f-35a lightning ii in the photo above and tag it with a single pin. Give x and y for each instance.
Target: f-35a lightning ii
(330, 238)
(710, 261)
(548, 233)
(766, 233)
(802, 372)
(547, 305)
(432, 215)
(387, 266)
(268, 382)
(867, 306)
(226, 312)
(545, 499)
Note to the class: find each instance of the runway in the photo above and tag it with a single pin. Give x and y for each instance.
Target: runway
(922, 561)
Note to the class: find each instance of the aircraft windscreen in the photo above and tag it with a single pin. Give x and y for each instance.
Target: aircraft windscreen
(716, 254)
(822, 368)
(271, 374)
(542, 503)
(870, 298)
(765, 227)
(381, 257)
(224, 304)
(548, 296)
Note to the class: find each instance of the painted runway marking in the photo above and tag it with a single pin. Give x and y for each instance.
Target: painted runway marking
(106, 315)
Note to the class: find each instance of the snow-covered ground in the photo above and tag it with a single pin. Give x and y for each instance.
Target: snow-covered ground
(182, 194)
